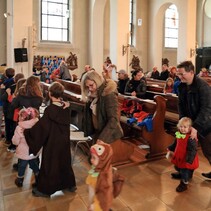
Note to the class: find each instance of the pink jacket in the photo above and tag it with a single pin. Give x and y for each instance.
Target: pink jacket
(22, 150)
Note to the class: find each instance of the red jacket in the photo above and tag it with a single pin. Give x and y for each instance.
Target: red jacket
(181, 152)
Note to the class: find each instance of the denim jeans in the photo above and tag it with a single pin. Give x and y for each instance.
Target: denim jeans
(22, 164)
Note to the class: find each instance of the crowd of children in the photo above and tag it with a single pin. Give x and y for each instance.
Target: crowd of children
(25, 96)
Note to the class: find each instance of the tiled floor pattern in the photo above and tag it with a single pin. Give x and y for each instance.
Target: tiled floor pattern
(147, 187)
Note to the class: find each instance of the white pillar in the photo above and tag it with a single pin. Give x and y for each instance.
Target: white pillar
(187, 30)
(119, 32)
(10, 34)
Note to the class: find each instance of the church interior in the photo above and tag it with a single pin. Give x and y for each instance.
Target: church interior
(89, 33)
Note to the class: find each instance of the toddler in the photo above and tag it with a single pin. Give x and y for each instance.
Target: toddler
(27, 118)
(184, 154)
(103, 184)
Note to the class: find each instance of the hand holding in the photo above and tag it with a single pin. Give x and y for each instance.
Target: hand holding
(193, 134)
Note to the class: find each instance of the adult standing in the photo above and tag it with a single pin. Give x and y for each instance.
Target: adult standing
(195, 102)
(101, 115)
(64, 72)
(102, 112)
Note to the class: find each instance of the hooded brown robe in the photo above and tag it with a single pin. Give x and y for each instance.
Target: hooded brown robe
(52, 134)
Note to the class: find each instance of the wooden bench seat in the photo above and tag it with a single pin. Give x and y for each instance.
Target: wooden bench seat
(158, 139)
(70, 86)
(171, 105)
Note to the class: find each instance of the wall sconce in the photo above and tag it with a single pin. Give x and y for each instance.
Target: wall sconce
(124, 49)
(7, 14)
(192, 52)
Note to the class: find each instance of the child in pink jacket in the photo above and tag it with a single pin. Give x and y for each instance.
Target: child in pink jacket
(27, 118)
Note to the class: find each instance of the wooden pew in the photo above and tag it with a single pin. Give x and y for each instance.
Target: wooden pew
(154, 88)
(172, 115)
(158, 139)
(70, 86)
(76, 105)
(155, 82)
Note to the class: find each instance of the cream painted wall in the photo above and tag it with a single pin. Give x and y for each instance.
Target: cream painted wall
(92, 47)
(79, 34)
(3, 59)
(141, 38)
(22, 21)
(187, 30)
(106, 32)
(119, 32)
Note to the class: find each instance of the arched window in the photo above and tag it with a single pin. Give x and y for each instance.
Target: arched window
(55, 20)
(171, 27)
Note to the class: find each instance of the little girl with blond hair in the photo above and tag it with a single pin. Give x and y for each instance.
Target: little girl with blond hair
(184, 154)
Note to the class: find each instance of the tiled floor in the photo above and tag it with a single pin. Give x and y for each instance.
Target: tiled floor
(147, 187)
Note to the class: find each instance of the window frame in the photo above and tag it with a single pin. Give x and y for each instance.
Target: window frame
(171, 28)
(63, 16)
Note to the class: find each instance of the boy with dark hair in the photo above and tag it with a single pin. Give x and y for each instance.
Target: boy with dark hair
(52, 134)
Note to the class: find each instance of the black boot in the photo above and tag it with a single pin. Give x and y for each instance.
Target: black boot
(207, 175)
(19, 182)
(182, 187)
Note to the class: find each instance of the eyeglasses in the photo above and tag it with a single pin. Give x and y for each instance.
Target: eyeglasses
(181, 74)
(90, 85)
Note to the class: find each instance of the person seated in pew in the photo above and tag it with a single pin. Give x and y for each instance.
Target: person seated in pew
(177, 82)
(137, 85)
(203, 72)
(101, 113)
(155, 73)
(86, 69)
(122, 81)
(164, 73)
(168, 87)
(172, 72)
